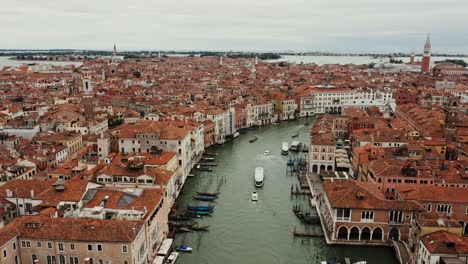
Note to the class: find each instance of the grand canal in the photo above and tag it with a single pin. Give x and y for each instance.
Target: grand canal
(245, 232)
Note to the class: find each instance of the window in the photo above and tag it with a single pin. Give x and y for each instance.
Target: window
(34, 257)
(14, 246)
(49, 244)
(343, 214)
(90, 247)
(367, 216)
(99, 248)
(60, 246)
(39, 244)
(429, 207)
(62, 259)
(396, 217)
(4, 253)
(72, 246)
(444, 208)
(124, 249)
(49, 260)
(73, 260)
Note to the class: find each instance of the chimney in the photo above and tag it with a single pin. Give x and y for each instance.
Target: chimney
(32, 194)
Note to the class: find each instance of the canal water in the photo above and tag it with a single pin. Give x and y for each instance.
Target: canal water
(245, 232)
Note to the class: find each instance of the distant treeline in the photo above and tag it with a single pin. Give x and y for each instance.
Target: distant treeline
(458, 62)
(245, 55)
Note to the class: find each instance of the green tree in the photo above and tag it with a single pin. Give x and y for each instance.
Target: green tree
(136, 74)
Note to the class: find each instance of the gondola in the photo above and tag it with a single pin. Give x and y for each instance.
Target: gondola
(295, 135)
(205, 198)
(181, 224)
(179, 217)
(208, 193)
(252, 140)
(199, 228)
(200, 208)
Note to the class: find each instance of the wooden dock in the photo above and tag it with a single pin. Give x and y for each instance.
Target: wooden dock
(307, 232)
(295, 190)
(303, 181)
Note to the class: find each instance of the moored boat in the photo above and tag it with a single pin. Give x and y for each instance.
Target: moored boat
(183, 248)
(295, 146)
(253, 139)
(267, 152)
(203, 168)
(295, 135)
(200, 207)
(205, 198)
(199, 228)
(208, 193)
(172, 258)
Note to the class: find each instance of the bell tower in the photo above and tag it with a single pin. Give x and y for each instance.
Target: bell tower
(426, 60)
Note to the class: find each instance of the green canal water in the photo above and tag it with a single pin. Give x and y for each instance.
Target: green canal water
(245, 232)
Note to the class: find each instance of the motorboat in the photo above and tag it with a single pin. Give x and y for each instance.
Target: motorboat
(208, 193)
(183, 248)
(205, 198)
(253, 139)
(295, 135)
(172, 258)
(200, 208)
(285, 148)
(259, 177)
(267, 152)
(295, 145)
(254, 197)
(203, 168)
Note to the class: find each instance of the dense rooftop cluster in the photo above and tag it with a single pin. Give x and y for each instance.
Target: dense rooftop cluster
(92, 157)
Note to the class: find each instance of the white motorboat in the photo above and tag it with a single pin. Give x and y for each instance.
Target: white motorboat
(295, 145)
(259, 177)
(254, 197)
(172, 258)
(267, 152)
(285, 148)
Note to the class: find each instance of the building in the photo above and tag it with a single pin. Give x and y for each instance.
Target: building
(442, 247)
(426, 60)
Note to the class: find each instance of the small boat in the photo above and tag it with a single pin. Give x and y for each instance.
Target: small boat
(179, 217)
(295, 146)
(199, 228)
(190, 175)
(208, 193)
(306, 124)
(172, 258)
(254, 197)
(203, 212)
(175, 224)
(208, 159)
(285, 148)
(259, 177)
(200, 208)
(205, 198)
(267, 152)
(295, 135)
(253, 139)
(203, 168)
(183, 248)
(184, 229)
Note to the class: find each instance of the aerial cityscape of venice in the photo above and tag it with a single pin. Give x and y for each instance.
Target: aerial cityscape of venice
(221, 132)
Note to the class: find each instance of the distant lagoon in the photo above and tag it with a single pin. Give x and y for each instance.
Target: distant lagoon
(320, 60)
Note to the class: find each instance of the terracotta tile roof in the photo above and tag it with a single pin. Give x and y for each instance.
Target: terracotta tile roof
(361, 195)
(71, 229)
(443, 242)
(74, 190)
(433, 193)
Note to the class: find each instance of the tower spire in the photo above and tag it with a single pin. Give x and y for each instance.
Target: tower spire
(114, 52)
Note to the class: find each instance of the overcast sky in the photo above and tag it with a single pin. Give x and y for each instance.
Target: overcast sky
(258, 25)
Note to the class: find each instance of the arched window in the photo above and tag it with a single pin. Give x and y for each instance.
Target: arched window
(62, 259)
